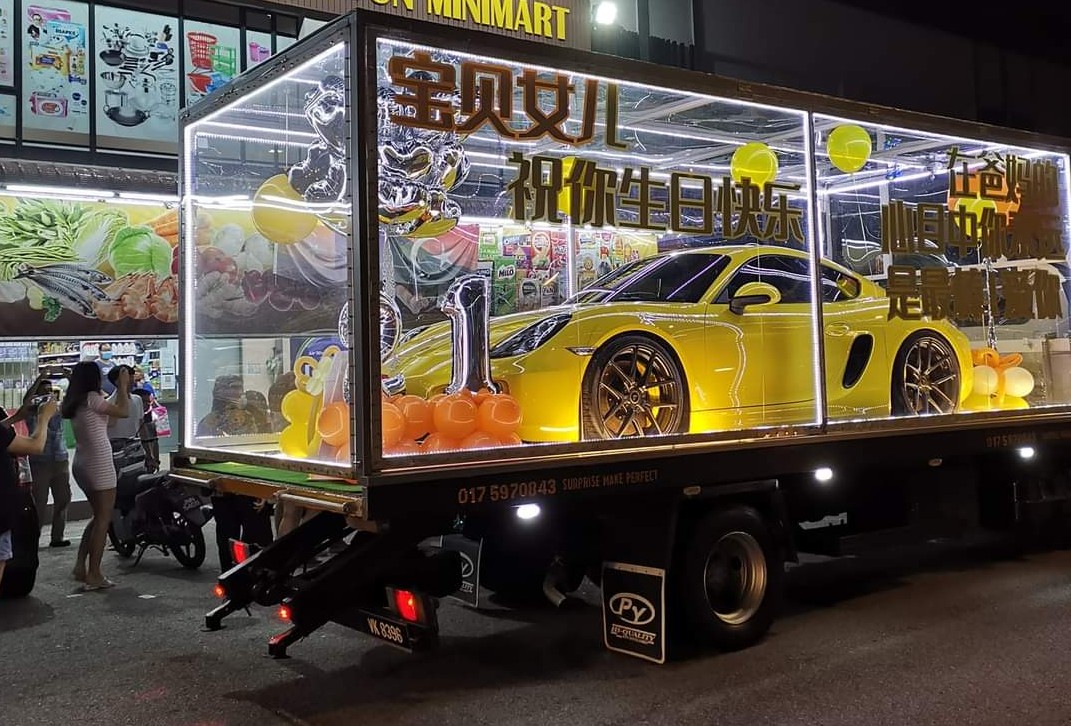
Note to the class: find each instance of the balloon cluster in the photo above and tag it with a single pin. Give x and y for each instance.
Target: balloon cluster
(450, 422)
(999, 382)
(417, 168)
(312, 421)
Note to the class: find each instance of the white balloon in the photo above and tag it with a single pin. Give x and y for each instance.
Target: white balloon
(985, 380)
(1018, 382)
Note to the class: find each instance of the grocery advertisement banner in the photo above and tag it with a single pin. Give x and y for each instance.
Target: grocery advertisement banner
(257, 48)
(137, 80)
(55, 72)
(87, 268)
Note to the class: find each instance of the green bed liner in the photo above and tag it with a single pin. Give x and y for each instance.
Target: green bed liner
(276, 476)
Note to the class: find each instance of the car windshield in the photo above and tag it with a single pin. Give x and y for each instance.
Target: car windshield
(680, 278)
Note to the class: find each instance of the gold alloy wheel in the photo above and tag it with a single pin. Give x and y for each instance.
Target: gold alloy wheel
(929, 377)
(735, 577)
(639, 393)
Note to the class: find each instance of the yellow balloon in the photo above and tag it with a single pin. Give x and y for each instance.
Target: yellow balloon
(986, 381)
(297, 407)
(1018, 382)
(849, 148)
(976, 402)
(755, 161)
(566, 194)
(294, 442)
(280, 213)
(976, 205)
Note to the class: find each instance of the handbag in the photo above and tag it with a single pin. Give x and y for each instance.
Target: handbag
(161, 421)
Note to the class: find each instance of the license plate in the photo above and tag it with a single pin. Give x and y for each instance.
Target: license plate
(397, 634)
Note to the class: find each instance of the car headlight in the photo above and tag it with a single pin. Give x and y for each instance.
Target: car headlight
(528, 339)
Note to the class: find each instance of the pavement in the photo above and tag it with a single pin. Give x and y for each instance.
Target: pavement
(946, 634)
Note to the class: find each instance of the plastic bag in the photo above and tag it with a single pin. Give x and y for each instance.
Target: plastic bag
(161, 421)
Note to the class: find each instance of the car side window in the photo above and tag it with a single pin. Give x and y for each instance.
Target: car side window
(790, 275)
(837, 286)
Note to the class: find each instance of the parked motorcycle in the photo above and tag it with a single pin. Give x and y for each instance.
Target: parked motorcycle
(151, 511)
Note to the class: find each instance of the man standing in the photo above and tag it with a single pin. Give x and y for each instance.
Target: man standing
(124, 429)
(51, 472)
(106, 365)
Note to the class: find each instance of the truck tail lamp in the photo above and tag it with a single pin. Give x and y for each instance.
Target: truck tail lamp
(285, 613)
(218, 591)
(407, 604)
(240, 551)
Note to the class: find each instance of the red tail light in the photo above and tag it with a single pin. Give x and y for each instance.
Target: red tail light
(239, 551)
(407, 605)
(219, 591)
(284, 613)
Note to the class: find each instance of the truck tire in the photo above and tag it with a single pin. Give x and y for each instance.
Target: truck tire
(925, 376)
(732, 578)
(633, 387)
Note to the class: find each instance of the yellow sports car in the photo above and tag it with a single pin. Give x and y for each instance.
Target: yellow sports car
(706, 340)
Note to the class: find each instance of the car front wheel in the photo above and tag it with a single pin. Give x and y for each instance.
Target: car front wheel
(634, 387)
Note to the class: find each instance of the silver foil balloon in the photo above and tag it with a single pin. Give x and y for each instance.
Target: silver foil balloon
(468, 306)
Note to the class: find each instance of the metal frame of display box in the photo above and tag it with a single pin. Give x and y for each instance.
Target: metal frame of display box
(742, 454)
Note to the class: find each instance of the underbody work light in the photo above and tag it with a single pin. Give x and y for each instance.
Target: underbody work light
(239, 551)
(1027, 452)
(528, 511)
(823, 474)
(407, 605)
(285, 614)
(218, 591)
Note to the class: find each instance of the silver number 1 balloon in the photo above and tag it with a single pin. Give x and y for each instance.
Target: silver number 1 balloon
(467, 304)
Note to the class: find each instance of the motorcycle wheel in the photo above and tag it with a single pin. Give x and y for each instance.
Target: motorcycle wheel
(123, 549)
(190, 552)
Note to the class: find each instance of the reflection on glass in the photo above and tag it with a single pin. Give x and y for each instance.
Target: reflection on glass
(267, 270)
(968, 241)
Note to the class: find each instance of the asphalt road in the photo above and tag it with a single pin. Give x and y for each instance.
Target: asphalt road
(945, 635)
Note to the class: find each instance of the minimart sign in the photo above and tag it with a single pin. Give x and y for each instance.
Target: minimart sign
(558, 22)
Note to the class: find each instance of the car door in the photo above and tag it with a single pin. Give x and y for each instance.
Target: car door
(773, 342)
(849, 322)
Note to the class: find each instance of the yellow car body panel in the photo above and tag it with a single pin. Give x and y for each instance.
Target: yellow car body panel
(748, 370)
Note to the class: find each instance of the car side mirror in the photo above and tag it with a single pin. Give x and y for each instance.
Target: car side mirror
(752, 294)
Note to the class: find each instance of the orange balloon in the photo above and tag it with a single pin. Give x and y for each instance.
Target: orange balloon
(393, 425)
(479, 440)
(482, 395)
(455, 416)
(436, 443)
(500, 415)
(333, 425)
(403, 448)
(342, 456)
(418, 416)
(510, 440)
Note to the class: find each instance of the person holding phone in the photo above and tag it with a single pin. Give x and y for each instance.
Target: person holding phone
(13, 445)
(50, 469)
(93, 467)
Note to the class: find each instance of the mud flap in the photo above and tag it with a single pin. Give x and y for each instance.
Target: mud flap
(470, 551)
(637, 554)
(634, 610)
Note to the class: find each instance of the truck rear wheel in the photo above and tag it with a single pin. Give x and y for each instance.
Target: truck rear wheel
(732, 578)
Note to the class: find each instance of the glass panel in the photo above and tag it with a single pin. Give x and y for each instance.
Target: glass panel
(268, 270)
(958, 249)
(55, 73)
(137, 80)
(553, 247)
